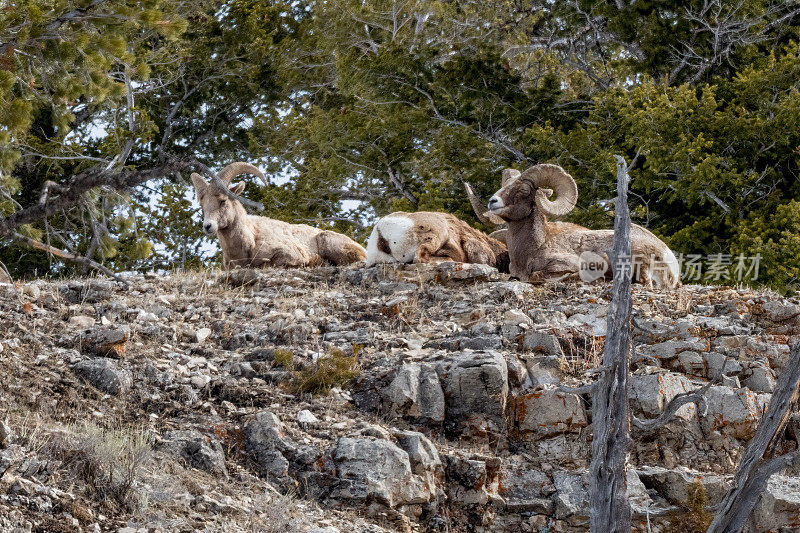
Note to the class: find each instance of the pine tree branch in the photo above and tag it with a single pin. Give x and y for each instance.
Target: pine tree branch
(70, 193)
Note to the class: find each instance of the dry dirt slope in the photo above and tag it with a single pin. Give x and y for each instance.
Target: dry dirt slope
(422, 398)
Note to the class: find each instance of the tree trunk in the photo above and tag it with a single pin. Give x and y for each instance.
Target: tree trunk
(755, 468)
(610, 509)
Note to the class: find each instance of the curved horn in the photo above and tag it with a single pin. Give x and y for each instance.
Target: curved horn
(236, 169)
(545, 176)
(508, 175)
(480, 208)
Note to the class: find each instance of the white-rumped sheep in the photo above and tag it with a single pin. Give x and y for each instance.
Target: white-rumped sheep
(425, 236)
(254, 241)
(541, 250)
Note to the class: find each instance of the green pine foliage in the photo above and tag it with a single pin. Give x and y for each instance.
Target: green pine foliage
(394, 105)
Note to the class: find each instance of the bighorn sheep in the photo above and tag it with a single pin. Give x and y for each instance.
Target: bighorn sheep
(255, 241)
(540, 250)
(480, 208)
(425, 236)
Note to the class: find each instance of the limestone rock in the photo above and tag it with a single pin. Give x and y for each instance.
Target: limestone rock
(376, 469)
(759, 378)
(474, 481)
(670, 349)
(81, 322)
(422, 454)
(106, 341)
(513, 289)
(306, 417)
(103, 374)
(202, 334)
(527, 490)
(476, 390)
(200, 451)
(515, 317)
(720, 365)
(734, 411)
(778, 508)
(549, 412)
(542, 343)
(416, 392)
(264, 442)
(572, 494)
(650, 393)
(451, 270)
(675, 484)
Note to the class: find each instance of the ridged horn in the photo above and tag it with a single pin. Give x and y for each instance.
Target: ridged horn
(237, 169)
(480, 208)
(546, 176)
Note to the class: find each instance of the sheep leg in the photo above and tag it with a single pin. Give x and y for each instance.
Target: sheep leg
(286, 256)
(432, 251)
(558, 268)
(338, 249)
(477, 252)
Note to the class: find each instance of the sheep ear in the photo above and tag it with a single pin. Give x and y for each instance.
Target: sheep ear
(509, 174)
(199, 183)
(237, 188)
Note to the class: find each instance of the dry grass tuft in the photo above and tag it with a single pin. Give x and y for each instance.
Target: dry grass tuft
(285, 358)
(579, 359)
(110, 462)
(334, 369)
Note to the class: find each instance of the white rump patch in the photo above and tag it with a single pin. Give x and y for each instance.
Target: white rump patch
(672, 264)
(397, 232)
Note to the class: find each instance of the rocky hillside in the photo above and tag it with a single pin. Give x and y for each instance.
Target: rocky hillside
(418, 398)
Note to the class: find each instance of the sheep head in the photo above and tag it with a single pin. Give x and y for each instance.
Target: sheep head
(531, 190)
(219, 209)
(484, 216)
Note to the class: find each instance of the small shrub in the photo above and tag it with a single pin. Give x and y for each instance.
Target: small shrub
(285, 358)
(695, 518)
(109, 461)
(331, 370)
(232, 439)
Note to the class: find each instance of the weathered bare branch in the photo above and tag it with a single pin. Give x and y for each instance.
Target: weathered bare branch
(583, 389)
(755, 468)
(608, 493)
(33, 243)
(696, 397)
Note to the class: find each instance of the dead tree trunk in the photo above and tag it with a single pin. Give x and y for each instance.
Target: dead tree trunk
(610, 509)
(756, 467)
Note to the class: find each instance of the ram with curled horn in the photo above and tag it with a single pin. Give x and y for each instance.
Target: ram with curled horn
(255, 241)
(541, 250)
(488, 218)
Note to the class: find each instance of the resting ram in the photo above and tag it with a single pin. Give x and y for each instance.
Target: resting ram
(254, 241)
(480, 208)
(540, 250)
(427, 236)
